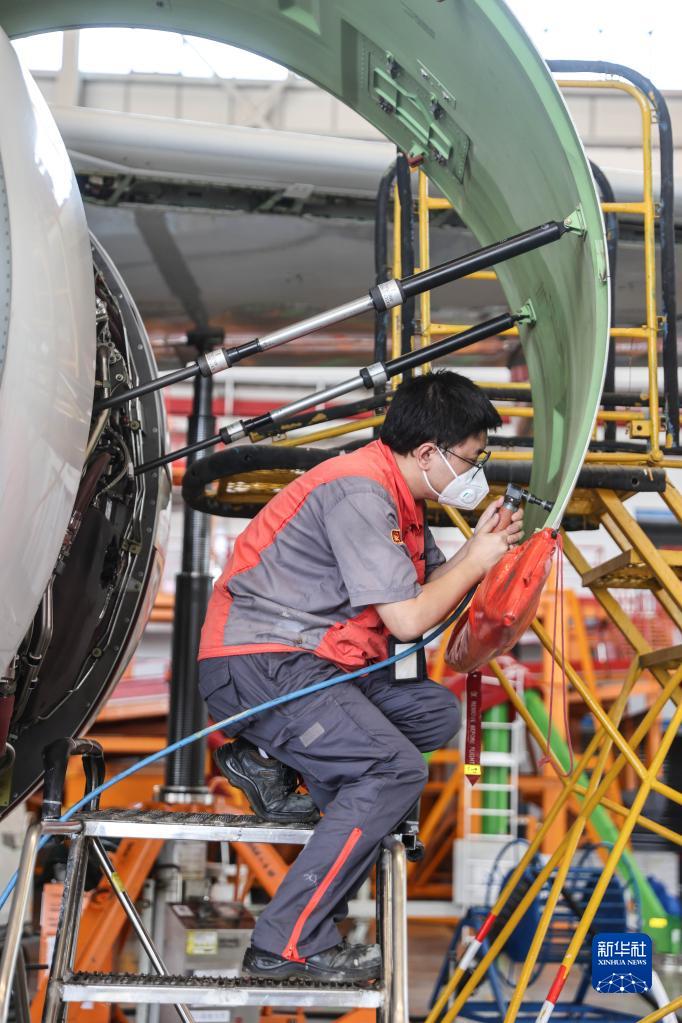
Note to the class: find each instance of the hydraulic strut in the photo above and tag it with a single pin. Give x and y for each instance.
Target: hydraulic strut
(369, 377)
(380, 298)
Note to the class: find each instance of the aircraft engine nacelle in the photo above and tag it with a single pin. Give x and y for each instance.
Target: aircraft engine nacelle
(82, 539)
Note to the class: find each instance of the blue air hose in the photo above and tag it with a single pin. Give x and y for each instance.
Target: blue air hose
(242, 716)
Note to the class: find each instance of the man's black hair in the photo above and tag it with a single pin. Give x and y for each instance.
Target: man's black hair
(443, 407)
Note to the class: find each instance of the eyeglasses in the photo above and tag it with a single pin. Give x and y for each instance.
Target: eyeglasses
(478, 463)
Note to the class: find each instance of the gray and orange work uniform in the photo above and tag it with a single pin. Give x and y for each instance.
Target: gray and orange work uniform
(294, 605)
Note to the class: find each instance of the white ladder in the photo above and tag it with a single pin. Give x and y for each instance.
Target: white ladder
(86, 830)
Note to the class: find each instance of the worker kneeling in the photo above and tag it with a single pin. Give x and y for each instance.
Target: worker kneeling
(333, 565)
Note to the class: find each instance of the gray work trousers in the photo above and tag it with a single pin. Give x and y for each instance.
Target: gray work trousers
(358, 747)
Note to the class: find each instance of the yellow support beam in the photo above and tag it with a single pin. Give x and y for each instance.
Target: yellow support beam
(499, 942)
(617, 850)
(575, 835)
(616, 613)
(646, 549)
(665, 1010)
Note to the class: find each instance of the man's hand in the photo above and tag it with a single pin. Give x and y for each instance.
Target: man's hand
(513, 530)
(485, 550)
(490, 513)
(486, 547)
(447, 584)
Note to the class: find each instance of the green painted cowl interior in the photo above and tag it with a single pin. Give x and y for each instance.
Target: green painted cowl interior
(460, 82)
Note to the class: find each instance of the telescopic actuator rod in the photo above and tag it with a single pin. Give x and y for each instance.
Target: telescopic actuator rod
(380, 298)
(368, 377)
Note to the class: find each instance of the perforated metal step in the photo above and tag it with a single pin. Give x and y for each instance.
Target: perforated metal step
(190, 826)
(217, 991)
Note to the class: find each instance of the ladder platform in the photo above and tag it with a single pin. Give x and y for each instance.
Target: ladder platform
(627, 571)
(216, 991)
(190, 826)
(667, 657)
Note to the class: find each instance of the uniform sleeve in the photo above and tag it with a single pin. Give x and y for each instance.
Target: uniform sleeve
(374, 567)
(433, 555)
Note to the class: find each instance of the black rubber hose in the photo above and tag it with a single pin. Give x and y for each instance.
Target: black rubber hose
(236, 462)
(244, 459)
(94, 771)
(404, 182)
(55, 761)
(382, 270)
(666, 221)
(606, 194)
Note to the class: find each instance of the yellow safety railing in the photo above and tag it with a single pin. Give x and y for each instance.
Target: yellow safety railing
(642, 423)
(646, 209)
(524, 455)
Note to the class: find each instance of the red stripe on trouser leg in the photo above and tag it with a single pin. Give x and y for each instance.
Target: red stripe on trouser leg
(556, 987)
(291, 950)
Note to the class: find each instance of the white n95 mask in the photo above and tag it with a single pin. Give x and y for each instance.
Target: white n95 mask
(465, 490)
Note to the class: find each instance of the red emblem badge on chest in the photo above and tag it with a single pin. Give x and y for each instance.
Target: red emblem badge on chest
(396, 536)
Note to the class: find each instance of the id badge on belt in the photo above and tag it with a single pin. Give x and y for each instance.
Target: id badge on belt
(408, 669)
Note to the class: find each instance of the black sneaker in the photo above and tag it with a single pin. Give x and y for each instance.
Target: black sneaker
(342, 964)
(269, 785)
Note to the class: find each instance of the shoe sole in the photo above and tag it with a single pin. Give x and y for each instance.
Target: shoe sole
(243, 782)
(289, 971)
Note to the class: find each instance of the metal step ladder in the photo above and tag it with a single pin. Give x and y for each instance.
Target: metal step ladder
(85, 831)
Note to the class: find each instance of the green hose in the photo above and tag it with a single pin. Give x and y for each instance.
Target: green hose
(496, 740)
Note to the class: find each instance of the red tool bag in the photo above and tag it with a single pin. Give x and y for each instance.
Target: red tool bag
(504, 604)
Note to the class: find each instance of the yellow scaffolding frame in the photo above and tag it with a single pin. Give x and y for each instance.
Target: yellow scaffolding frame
(648, 424)
(637, 551)
(560, 854)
